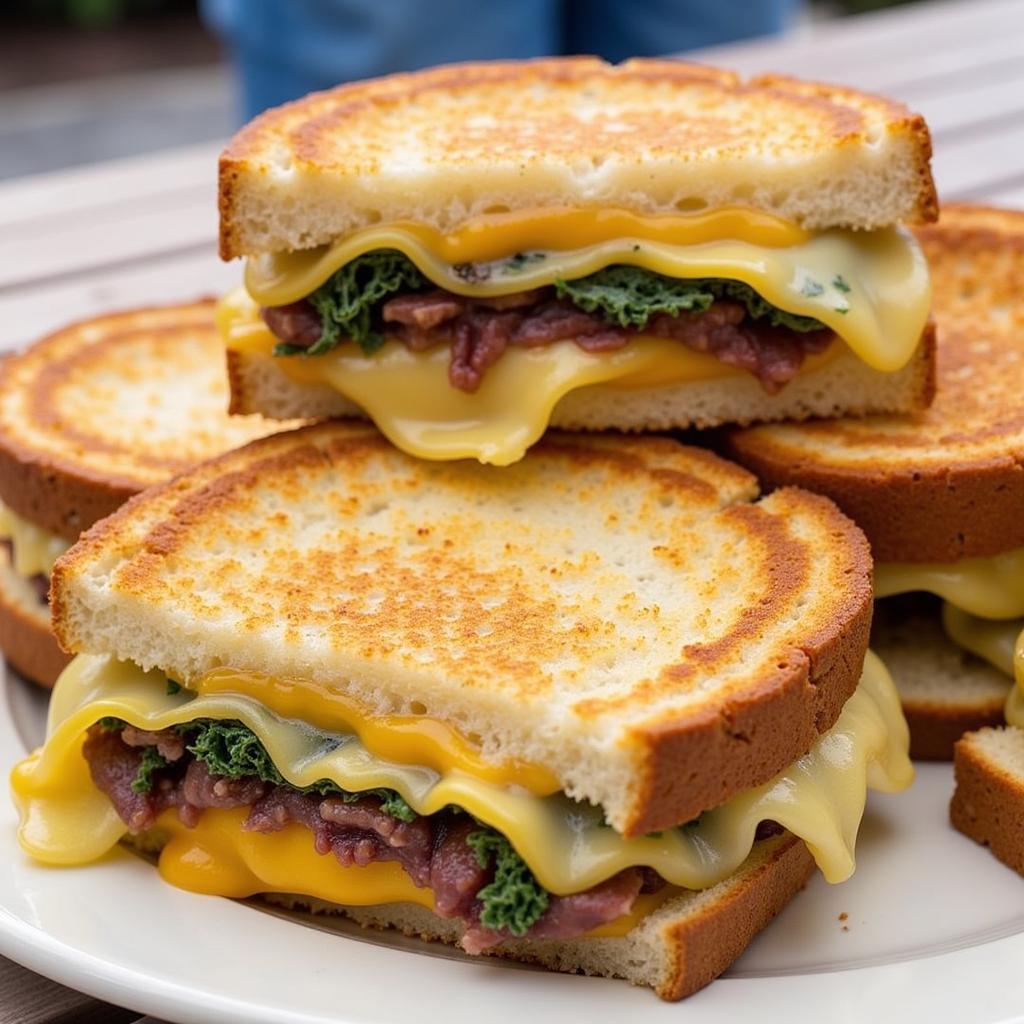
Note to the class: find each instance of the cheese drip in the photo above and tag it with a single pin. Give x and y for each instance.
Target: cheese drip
(990, 588)
(408, 396)
(35, 550)
(870, 287)
(993, 640)
(820, 798)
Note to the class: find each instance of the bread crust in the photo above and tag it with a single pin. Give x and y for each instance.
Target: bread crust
(949, 482)
(684, 945)
(341, 140)
(692, 764)
(52, 465)
(678, 757)
(25, 636)
(988, 803)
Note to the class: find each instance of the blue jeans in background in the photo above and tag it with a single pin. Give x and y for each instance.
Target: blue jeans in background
(283, 49)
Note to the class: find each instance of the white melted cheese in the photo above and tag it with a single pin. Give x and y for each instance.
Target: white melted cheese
(35, 550)
(820, 798)
(990, 588)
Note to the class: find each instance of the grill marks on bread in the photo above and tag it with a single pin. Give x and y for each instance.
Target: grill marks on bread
(653, 136)
(553, 608)
(102, 408)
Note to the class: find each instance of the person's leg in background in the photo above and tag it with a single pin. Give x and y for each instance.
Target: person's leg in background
(283, 49)
(618, 29)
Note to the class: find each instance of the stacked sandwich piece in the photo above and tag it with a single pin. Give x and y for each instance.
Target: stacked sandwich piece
(581, 699)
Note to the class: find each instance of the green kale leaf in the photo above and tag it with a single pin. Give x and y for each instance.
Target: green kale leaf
(152, 761)
(630, 296)
(515, 900)
(347, 300)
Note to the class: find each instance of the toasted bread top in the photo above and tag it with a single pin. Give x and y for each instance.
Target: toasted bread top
(948, 482)
(102, 408)
(621, 611)
(653, 136)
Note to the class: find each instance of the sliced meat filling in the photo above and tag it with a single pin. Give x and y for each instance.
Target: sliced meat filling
(434, 851)
(480, 330)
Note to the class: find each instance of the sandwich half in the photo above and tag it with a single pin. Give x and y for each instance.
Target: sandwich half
(602, 710)
(89, 416)
(468, 253)
(940, 494)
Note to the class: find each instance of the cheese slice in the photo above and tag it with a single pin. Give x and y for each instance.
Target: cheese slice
(820, 798)
(218, 858)
(871, 287)
(408, 396)
(35, 550)
(991, 588)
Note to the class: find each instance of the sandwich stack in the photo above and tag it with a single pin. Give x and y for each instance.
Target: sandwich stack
(582, 699)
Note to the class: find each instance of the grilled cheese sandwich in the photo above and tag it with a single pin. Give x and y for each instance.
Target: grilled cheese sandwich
(463, 334)
(357, 701)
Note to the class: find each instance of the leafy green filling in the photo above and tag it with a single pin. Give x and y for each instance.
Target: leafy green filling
(628, 296)
(514, 900)
(346, 301)
(229, 748)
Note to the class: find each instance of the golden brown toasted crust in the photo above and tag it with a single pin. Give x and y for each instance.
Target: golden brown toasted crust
(705, 684)
(935, 729)
(781, 143)
(79, 433)
(696, 762)
(682, 947)
(25, 636)
(704, 946)
(988, 803)
(947, 483)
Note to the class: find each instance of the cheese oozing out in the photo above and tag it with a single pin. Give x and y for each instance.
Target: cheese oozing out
(66, 820)
(983, 604)
(35, 550)
(871, 288)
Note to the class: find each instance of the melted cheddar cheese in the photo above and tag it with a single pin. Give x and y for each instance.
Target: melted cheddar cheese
(871, 288)
(35, 549)
(408, 396)
(820, 798)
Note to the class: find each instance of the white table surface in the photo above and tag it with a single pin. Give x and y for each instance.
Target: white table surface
(143, 230)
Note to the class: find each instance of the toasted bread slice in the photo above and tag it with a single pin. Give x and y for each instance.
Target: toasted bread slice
(25, 636)
(653, 136)
(945, 691)
(681, 947)
(988, 803)
(843, 385)
(621, 611)
(946, 483)
(102, 408)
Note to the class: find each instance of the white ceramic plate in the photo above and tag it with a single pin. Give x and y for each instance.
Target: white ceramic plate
(931, 928)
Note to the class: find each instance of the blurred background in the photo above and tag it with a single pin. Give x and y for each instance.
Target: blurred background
(89, 80)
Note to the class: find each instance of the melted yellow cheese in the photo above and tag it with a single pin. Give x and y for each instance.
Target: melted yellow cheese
(408, 396)
(407, 739)
(1015, 701)
(991, 588)
(219, 858)
(995, 640)
(35, 550)
(870, 287)
(820, 798)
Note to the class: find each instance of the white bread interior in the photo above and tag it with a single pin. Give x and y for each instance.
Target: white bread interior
(448, 144)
